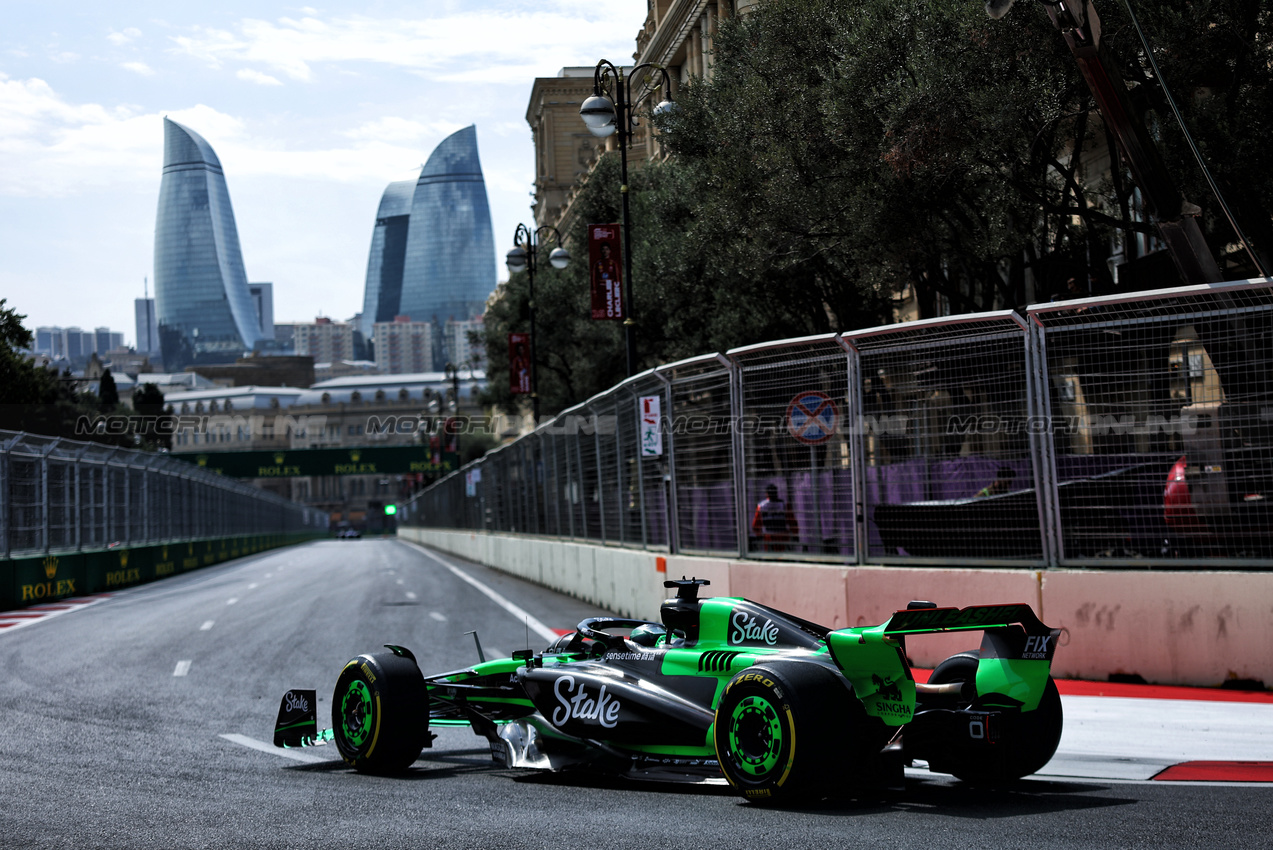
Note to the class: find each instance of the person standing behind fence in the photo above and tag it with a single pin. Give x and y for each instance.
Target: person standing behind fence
(773, 523)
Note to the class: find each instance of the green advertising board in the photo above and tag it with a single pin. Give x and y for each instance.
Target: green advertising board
(43, 578)
(293, 463)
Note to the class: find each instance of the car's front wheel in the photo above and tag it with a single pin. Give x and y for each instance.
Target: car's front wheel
(380, 713)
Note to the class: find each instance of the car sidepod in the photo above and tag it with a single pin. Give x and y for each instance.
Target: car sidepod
(624, 699)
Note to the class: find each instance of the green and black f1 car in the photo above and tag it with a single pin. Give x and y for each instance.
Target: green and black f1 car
(781, 707)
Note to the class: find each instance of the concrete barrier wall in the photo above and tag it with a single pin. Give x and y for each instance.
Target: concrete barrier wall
(1189, 628)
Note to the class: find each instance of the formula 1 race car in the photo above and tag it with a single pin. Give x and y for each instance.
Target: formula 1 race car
(782, 707)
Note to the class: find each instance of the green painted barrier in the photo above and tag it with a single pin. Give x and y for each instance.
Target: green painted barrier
(37, 579)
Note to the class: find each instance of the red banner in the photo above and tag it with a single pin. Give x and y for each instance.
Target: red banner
(519, 364)
(605, 261)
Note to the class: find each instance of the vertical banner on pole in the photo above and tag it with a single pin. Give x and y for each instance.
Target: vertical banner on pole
(519, 364)
(605, 263)
(651, 434)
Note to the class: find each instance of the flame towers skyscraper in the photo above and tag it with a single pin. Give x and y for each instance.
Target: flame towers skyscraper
(202, 303)
(433, 249)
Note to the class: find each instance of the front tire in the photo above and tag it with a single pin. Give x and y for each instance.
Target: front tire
(380, 713)
(784, 730)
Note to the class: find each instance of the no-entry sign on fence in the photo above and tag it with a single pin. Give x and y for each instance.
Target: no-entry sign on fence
(812, 417)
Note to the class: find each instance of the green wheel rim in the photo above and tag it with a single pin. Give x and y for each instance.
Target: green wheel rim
(357, 711)
(755, 736)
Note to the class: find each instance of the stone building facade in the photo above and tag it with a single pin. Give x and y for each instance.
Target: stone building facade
(678, 35)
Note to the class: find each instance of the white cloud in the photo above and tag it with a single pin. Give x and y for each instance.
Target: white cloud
(139, 68)
(124, 36)
(394, 129)
(54, 147)
(504, 46)
(253, 76)
(58, 148)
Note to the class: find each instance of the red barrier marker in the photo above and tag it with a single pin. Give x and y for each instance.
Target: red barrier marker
(1218, 771)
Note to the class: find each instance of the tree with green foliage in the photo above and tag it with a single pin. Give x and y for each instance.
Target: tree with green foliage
(40, 400)
(107, 391)
(924, 144)
(148, 404)
(841, 152)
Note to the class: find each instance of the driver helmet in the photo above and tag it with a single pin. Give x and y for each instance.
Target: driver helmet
(648, 634)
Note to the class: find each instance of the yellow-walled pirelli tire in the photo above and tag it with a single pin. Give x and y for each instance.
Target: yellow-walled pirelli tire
(380, 713)
(782, 732)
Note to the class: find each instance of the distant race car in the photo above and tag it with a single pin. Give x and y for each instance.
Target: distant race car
(780, 707)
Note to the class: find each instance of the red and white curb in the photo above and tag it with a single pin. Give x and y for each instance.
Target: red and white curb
(11, 620)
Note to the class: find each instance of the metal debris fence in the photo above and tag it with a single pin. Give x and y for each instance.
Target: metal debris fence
(1130, 430)
(60, 495)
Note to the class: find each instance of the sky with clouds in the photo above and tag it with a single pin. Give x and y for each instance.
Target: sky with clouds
(311, 110)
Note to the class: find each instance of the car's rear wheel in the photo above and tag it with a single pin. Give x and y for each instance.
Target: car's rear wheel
(380, 713)
(785, 730)
(1031, 737)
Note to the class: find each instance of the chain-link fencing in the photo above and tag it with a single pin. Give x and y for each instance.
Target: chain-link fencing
(1123, 430)
(61, 495)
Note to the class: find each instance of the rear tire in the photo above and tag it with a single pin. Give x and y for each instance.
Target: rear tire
(1031, 736)
(380, 713)
(786, 730)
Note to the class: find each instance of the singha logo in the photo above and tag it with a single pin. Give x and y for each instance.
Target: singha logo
(890, 691)
(50, 567)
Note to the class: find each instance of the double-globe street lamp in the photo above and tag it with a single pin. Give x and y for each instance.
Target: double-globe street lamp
(524, 256)
(610, 111)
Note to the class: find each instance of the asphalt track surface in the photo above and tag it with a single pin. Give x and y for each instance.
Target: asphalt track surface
(141, 720)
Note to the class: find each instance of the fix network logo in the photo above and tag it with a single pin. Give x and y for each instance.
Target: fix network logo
(1038, 647)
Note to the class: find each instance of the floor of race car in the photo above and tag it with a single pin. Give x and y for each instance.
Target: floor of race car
(1197, 735)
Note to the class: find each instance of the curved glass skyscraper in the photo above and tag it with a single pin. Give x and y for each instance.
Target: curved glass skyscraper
(448, 258)
(388, 251)
(204, 310)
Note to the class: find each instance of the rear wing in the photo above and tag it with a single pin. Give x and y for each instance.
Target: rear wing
(921, 620)
(1034, 641)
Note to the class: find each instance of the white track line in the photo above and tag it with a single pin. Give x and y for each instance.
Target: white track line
(253, 744)
(522, 616)
(207, 624)
(183, 667)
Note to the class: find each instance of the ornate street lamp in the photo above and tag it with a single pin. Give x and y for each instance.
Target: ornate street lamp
(611, 111)
(523, 257)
